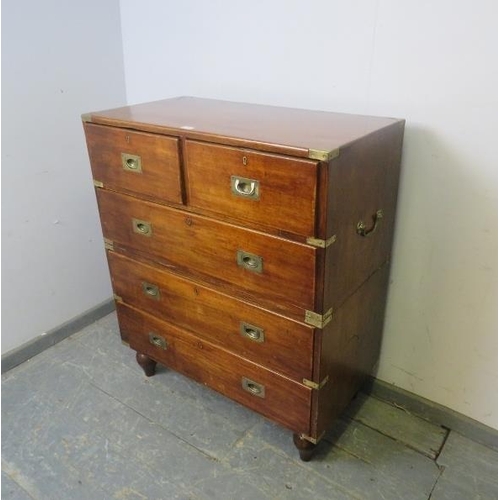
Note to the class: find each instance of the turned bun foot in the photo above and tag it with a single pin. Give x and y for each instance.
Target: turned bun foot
(305, 447)
(146, 363)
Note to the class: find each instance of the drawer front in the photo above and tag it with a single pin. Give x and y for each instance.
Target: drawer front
(276, 342)
(271, 190)
(262, 390)
(135, 162)
(263, 266)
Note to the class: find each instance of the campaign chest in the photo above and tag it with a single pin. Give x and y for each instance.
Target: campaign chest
(249, 247)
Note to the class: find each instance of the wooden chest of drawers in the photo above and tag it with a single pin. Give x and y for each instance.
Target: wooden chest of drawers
(249, 247)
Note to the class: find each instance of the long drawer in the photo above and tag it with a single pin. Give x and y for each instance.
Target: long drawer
(264, 266)
(263, 337)
(266, 392)
(270, 190)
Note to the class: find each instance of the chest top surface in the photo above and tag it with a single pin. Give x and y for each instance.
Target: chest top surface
(280, 129)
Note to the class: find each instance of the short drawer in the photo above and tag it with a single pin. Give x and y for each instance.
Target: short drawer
(258, 388)
(135, 162)
(266, 268)
(269, 190)
(274, 341)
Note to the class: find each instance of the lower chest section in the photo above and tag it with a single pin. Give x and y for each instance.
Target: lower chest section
(272, 394)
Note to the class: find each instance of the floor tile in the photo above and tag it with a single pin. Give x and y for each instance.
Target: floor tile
(398, 424)
(11, 490)
(470, 470)
(281, 476)
(362, 461)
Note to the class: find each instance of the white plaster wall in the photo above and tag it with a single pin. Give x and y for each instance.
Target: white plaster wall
(431, 62)
(59, 59)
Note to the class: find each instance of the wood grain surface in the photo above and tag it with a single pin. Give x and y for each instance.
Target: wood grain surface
(160, 178)
(207, 247)
(285, 401)
(286, 186)
(216, 317)
(269, 128)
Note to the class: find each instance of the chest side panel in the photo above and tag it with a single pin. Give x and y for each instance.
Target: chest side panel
(349, 349)
(363, 186)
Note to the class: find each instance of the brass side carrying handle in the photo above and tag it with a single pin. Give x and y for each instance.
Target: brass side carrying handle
(253, 387)
(247, 188)
(250, 261)
(131, 163)
(361, 226)
(252, 332)
(157, 341)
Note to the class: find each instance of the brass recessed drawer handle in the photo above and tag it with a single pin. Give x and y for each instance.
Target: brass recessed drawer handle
(131, 163)
(253, 387)
(247, 188)
(142, 227)
(252, 332)
(361, 226)
(157, 341)
(150, 290)
(249, 261)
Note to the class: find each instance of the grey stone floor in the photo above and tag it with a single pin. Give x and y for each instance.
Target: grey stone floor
(80, 421)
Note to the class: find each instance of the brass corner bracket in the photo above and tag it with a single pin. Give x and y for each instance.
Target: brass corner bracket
(318, 154)
(311, 439)
(87, 117)
(318, 320)
(98, 184)
(315, 242)
(108, 244)
(315, 385)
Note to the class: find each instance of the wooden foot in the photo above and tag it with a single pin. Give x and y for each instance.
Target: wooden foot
(146, 363)
(305, 447)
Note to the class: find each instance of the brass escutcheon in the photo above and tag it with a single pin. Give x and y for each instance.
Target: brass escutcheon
(252, 332)
(250, 261)
(253, 387)
(150, 290)
(245, 188)
(131, 163)
(142, 227)
(157, 341)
